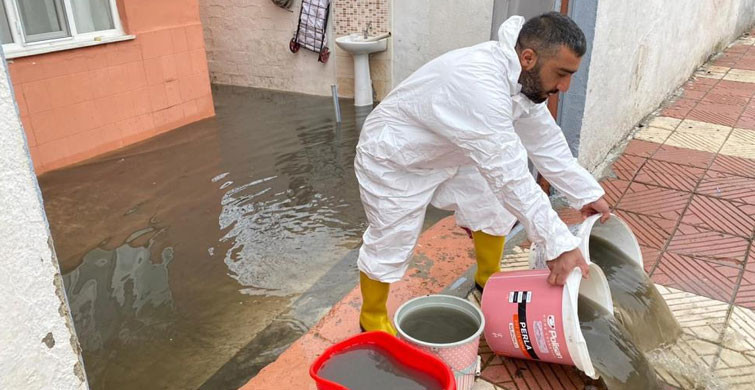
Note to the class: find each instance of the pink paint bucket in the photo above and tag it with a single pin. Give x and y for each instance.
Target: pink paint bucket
(530, 319)
(527, 318)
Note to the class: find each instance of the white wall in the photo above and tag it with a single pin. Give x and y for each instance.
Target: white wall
(643, 50)
(247, 45)
(38, 347)
(425, 29)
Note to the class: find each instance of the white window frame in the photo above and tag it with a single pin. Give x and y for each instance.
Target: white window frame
(21, 48)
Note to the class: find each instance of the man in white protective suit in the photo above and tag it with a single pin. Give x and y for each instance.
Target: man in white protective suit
(456, 134)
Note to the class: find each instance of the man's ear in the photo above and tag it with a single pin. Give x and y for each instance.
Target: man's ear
(528, 59)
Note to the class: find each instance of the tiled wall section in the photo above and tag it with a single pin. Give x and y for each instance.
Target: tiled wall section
(351, 16)
(76, 104)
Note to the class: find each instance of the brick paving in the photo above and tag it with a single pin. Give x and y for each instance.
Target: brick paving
(691, 194)
(686, 185)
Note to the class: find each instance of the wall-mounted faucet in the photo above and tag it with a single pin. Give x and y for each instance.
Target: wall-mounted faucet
(366, 30)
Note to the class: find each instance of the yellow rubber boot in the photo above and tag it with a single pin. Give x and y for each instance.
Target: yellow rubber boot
(488, 250)
(374, 314)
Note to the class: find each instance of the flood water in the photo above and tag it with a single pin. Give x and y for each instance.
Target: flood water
(620, 363)
(439, 325)
(638, 305)
(642, 313)
(187, 256)
(369, 368)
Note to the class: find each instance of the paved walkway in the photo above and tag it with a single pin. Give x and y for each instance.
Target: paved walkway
(686, 185)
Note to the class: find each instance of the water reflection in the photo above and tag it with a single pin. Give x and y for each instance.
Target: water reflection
(120, 295)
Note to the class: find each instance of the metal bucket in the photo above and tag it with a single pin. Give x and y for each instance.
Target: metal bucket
(460, 356)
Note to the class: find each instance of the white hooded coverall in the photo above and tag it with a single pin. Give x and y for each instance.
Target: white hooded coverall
(456, 134)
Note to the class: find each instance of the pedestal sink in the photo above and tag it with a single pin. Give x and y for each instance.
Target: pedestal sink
(360, 49)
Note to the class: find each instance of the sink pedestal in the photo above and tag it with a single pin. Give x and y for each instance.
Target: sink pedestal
(362, 80)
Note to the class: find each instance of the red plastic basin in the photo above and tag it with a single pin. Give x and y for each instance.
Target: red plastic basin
(404, 353)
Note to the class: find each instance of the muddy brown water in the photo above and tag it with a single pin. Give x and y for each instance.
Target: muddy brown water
(439, 325)
(638, 305)
(644, 316)
(620, 363)
(370, 368)
(179, 251)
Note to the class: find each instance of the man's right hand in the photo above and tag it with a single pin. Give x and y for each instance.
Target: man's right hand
(562, 266)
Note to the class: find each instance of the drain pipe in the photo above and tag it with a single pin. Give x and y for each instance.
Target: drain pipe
(336, 105)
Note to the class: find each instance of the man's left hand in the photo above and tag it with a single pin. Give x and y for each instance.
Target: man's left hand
(600, 206)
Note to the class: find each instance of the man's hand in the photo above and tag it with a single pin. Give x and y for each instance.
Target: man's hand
(600, 206)
(562, 266)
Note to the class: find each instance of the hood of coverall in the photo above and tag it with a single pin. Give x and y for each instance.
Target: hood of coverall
(508, 33)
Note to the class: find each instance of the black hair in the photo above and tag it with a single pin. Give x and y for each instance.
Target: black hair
(546, 33)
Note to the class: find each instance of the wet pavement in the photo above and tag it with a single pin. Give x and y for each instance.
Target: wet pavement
(195, 258)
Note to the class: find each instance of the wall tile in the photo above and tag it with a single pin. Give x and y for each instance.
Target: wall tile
(156, 43)
(183, 64)
(153, 70)
(205, 106)
(97, 59)
(85, 143)
(346, 86)
(190, 109)
(110, 137)
(142, 103)
(198, 61)
(52, 153)
(169, 68)
(173, 91)
(45, 126)
(178, 36)
(37, 96)
(380, 70)
(101, 80)
(344, 64)
(122, 54)
(118, 78)
(195, 36)
(352, 16)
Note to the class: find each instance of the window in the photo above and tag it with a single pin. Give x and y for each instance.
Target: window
(37, 26)
(92, 15)
(42, 19)
(5, 34)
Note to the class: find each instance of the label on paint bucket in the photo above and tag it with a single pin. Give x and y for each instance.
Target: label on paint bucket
(522, 335)
(540, 337)
(527, 323)
(526, 330)
(519, 322)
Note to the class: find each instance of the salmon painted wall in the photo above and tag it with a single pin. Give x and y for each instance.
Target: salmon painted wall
(76, 104)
